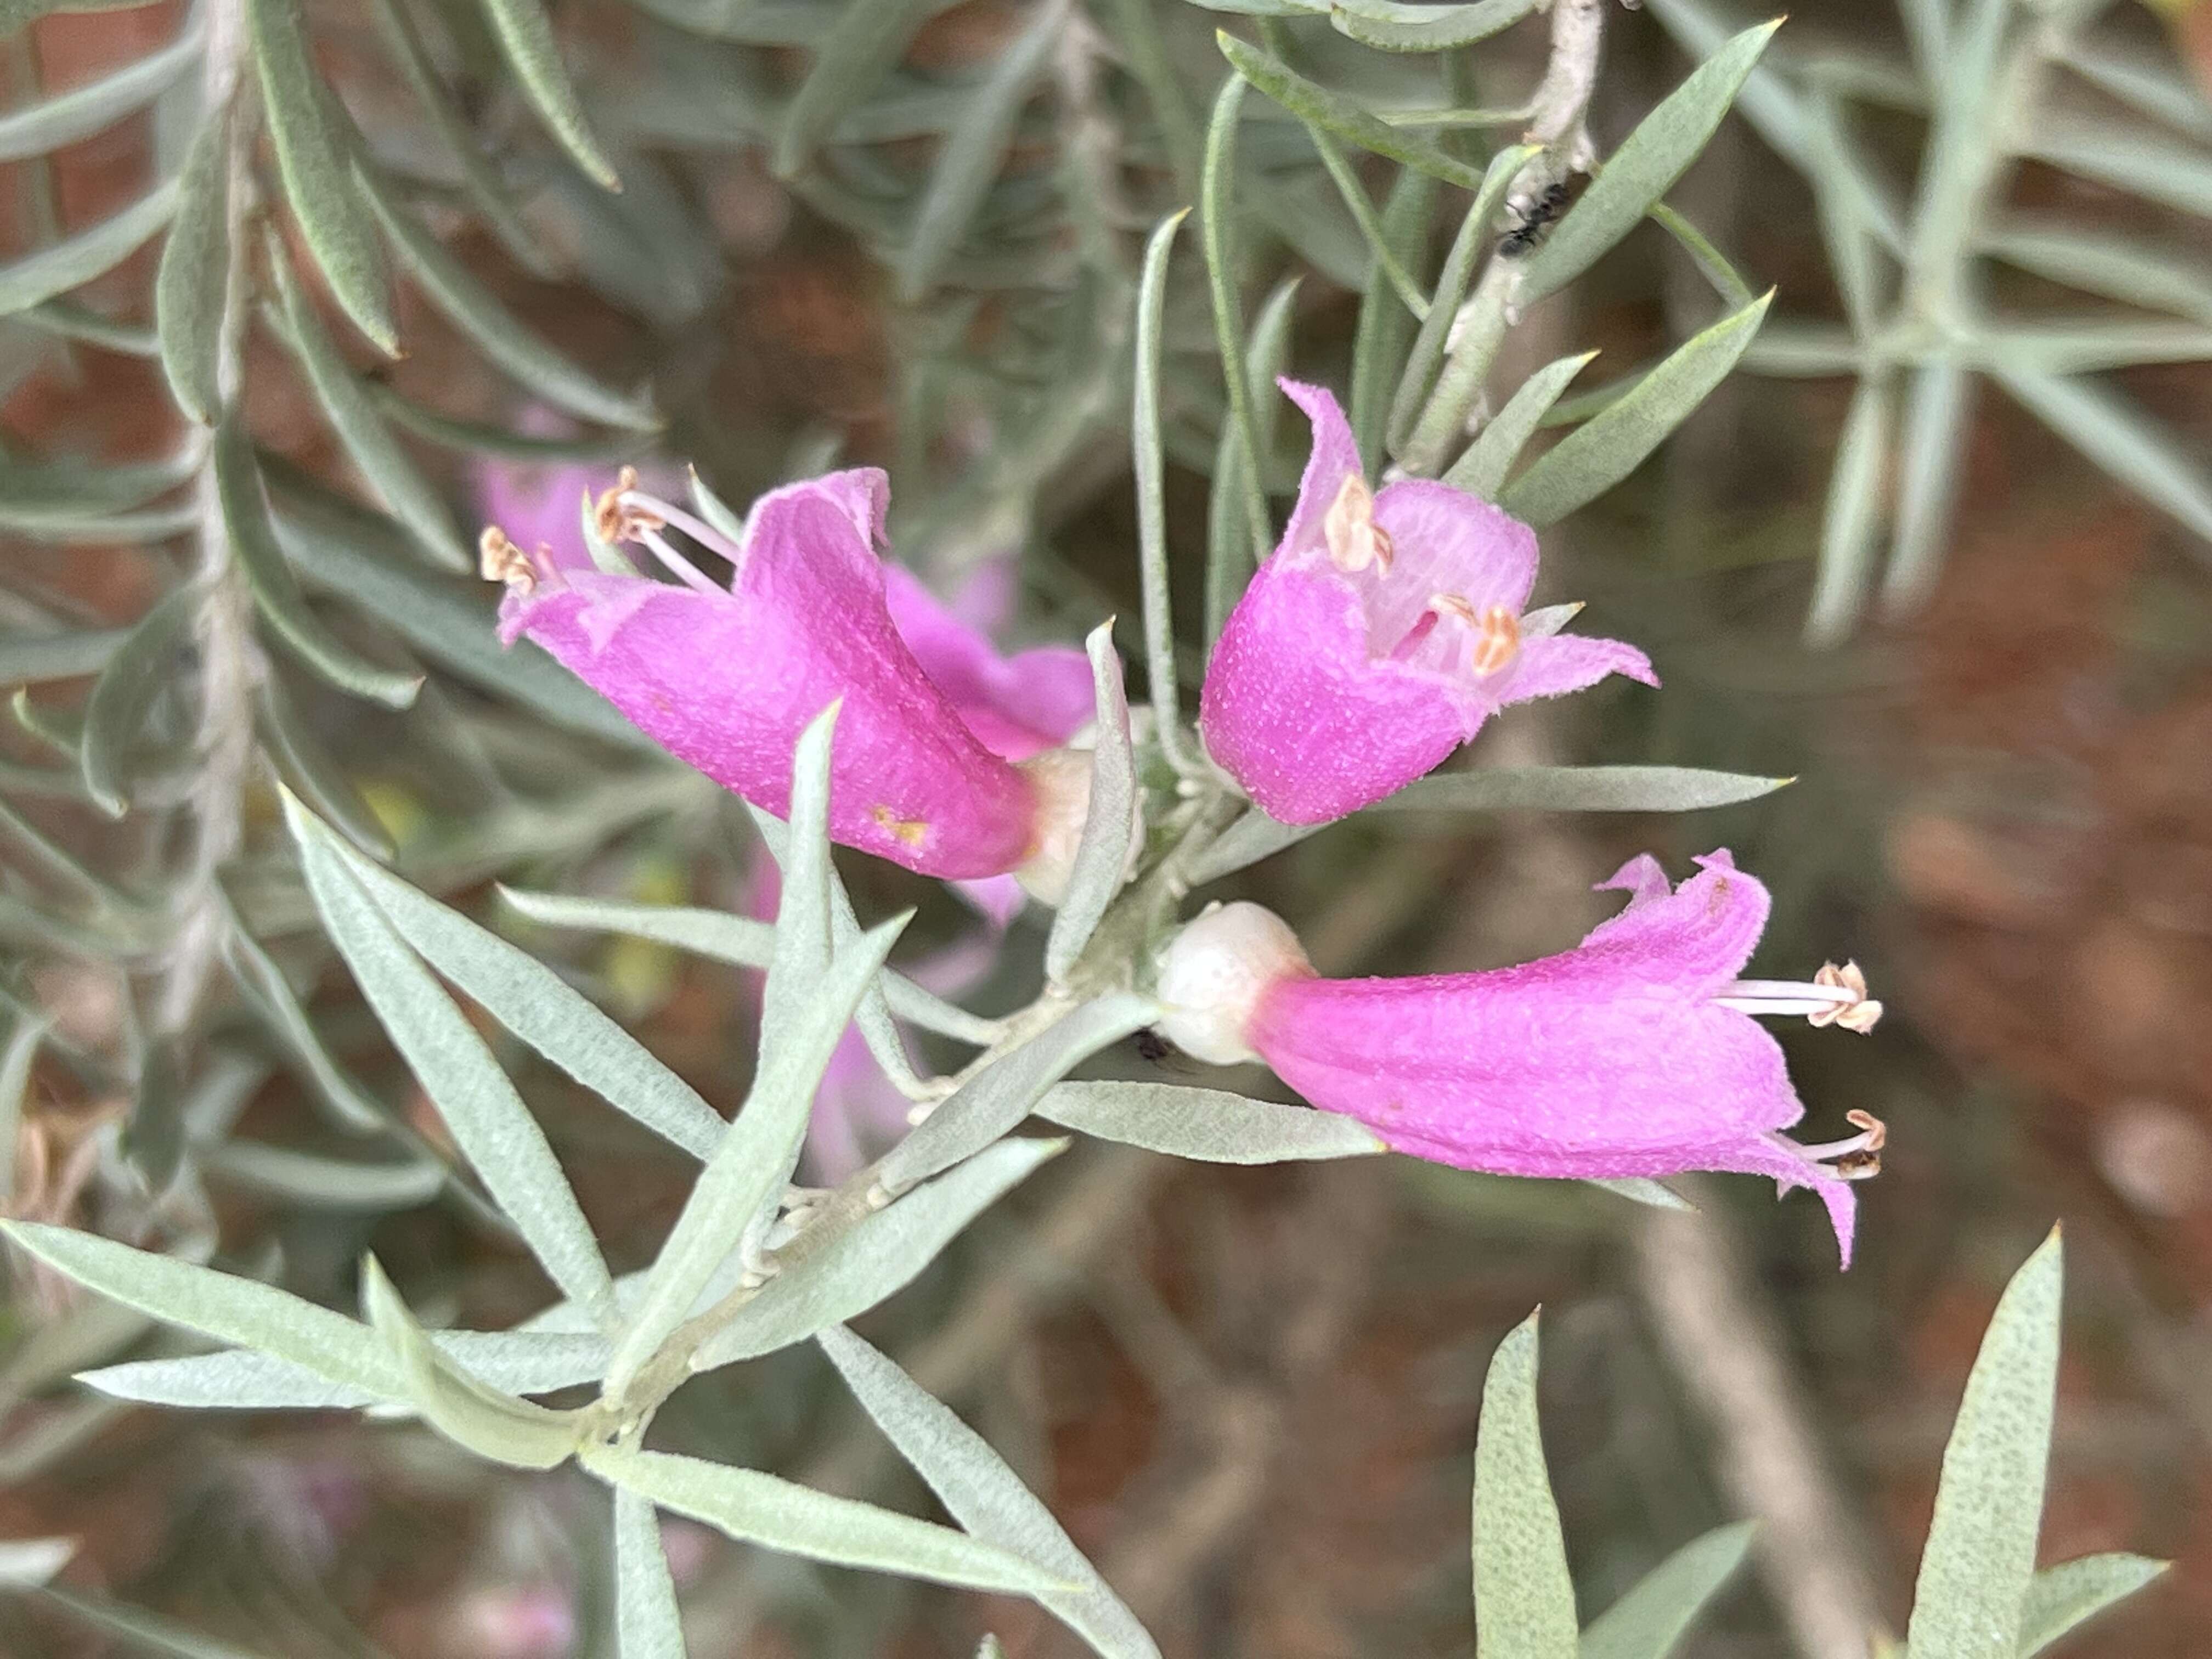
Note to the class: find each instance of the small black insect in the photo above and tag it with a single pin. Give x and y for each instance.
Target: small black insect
(1151, 1046)
(1533, 220)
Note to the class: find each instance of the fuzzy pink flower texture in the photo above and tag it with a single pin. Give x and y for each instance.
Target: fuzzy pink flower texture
(933, 724)
(1386, 626)
(1628, 1055)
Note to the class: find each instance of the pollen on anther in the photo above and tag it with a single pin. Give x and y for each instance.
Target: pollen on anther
(500, 560)
(1354, 539)
(1497, 641)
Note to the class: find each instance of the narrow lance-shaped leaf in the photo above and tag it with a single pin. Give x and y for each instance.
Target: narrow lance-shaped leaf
(824, 1281)
(1481, 470)
(1645, 167)
(1650, 1620)
(1209, 1125)
(352, 416)
(222, 1306)
(1149, 465)
(494, 330)
(760, 1509)
(1381, 248)
(337, 1185)
(1598, 455)
(1930, 456)
(2098, 262)
(38, 129)
(1853, 516)
(94, 252)
(1524, 1600)
(474, 1097)
(1384, 333)
(975, 149)
(525, 35)
(984, 1495)
(312, 773)
(1229, 562)
(1973, 1591)
(802, 952)
(1111, 822)
(1336, 113)
(191, 284)
(276, 592)
(646, 1623)
(536, 1004)
(115, 713)
(311, 155)
(240, 1379)
(271, 994)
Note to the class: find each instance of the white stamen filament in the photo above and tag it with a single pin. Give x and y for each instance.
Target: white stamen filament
(1859, 1157)
(678, 566)
(1836, 996)
(696, 528)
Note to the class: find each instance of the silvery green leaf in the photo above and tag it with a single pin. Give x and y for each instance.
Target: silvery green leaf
(496, 1426)
(1336, 113)
(115, 713)
(448, 432)
(94, 252)
(988, 1648)
(146, 1632)
(1524, 1600)
(1229, 563)
(276, 591)
(1427, 28)
(1645, 167)
(1113, 818)
(34, 1560)
(536, 1004)
(16, 1062)
(1930, 463)
(2139, 161)
(154, 523)
(719, 514)
(850, 62)
(239, 1379)
(1734, 293)
(479, 1105)
(494, 330)
(1418, 380)
(1614, 442)
(974, 150)
(759, 1509)
(525, 35)
(30, 660)
(997, 1098)
(222, 1306)
(647, 1625)
(478, 175)
(749, 1168)
(1789, 350)
(347, 549)
(34, 495)
(738, 939)
(2060, 1597)
(191, 284)
(1980, 1556)
(354, 417)
(1848, 236)
(2099, 262)
(312, 773)
(311, 156)
(1928, 32)
(844, 1275)
(1481, 470)
(984, 1495)
(2155, 86)
(335, 1185)
(1210, 1125)
(1147, 460)
(802, 951)
(1384, 334)
(2085, 345)
(1853, 515)
(36, 128)
(1382, 250)
(2117, 437)
(1650, 1620)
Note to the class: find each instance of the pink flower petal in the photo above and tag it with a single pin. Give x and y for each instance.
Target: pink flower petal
(1018, 706)
(1569, 662)
(1334, 458)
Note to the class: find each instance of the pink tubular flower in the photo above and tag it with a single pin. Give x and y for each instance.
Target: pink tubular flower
(1632, 1054)
(925, 769)
(1385, 629)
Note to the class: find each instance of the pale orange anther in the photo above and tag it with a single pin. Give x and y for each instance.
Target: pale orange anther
(1861, 1014)
(500, 560)
(1497, 641)
(618, 520)
(1355, 540)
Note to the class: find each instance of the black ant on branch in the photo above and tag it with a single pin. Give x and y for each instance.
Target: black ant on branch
(1533, 220)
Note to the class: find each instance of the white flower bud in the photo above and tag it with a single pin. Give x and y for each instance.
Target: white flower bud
(1212, 974)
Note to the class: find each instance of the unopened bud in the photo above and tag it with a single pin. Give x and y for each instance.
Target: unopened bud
(1213, 975)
